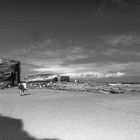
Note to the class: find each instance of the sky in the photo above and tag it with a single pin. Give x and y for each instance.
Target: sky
(100, 38)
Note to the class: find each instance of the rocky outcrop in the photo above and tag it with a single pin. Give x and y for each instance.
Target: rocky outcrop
(9, 72)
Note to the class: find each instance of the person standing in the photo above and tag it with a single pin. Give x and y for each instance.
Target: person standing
(21, 88)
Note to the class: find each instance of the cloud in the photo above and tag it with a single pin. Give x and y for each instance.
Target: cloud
(130, 68)
(95, 69)
(117, 74)
(119, 52)
(49, 53)
(77, 50)
(76, 57)
(110, 52)
(112, 7)
(119, 47)
(51, 58)
(138, 54)
(74, 52)
(102, 58)
(62, 52)
(123, 40)
(53, 69)
(43, 62)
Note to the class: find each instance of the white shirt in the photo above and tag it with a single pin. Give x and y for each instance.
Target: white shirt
(25, 85)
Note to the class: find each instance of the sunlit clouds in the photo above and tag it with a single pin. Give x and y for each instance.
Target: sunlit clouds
(110, 59)
(106, 57)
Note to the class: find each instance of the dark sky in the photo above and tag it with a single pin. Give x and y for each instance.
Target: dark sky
(101, 38)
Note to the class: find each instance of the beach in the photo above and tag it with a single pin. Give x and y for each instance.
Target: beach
(69, 115)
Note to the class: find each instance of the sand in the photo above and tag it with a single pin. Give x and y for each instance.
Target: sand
(69, 115)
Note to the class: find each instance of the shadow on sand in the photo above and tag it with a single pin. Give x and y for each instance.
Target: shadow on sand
(12, 129)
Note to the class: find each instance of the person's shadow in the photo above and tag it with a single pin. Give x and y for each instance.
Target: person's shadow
(12, 129)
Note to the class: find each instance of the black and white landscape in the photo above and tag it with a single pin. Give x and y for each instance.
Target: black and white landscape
(81, 62)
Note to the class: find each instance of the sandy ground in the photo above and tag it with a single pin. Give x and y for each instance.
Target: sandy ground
(73, 115)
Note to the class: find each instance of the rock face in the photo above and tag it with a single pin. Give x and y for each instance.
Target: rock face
(9, 72)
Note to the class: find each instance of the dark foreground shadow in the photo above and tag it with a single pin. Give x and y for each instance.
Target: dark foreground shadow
(12, 129)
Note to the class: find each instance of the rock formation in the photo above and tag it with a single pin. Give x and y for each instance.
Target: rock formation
(9, 72)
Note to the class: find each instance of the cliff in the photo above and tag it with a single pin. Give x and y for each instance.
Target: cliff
(9, 72)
